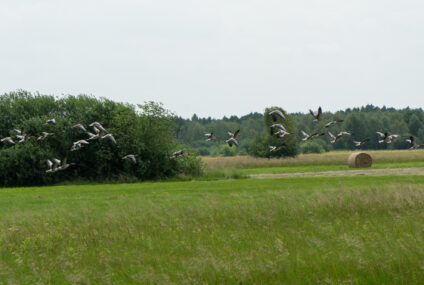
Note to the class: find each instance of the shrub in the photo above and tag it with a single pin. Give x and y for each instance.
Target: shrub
(146, 131)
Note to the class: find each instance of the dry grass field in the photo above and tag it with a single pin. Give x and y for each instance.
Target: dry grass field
(331, 161)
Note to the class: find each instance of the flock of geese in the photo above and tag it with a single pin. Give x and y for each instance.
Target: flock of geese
(277, 129)
(280, 131)
(98, 132)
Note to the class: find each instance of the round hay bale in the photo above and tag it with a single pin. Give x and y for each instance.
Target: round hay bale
(359, 160)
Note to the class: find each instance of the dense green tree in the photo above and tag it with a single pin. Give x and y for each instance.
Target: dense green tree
(146, 130)
(260, 146)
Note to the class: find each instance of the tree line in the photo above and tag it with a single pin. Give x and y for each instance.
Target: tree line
(363, 122)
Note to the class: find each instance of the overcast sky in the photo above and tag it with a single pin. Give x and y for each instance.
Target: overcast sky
(217, 57)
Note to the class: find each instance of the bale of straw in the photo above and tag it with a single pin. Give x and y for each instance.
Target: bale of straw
(359, 160)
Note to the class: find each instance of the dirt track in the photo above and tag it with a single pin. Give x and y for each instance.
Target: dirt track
(361, 172)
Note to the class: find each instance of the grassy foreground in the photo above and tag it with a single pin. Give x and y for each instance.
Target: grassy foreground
(297, 230)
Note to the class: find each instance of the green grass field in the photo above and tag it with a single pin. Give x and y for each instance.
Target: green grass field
(330, 230)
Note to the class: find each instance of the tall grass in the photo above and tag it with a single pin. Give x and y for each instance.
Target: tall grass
(297, 231)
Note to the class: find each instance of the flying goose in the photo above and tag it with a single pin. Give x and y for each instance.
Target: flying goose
(391, 138)
(307, 137)
(413, 144)
(50, 166)
(98, 126)
(93, 136)
(96, 130)
(275, 114)
(339, 136)
(45, 135)
(234, 135)
(282, 134)
(130, 158)
(178, 154)
(64, 165)
(210, 137)
(23, 138)
(277, 126)
(384, 137)
(79, 145)
(317, 115)
(333, 123)
(361, 143)
(232, 141)
(56, 163)
(273, 148)
(50, 122)
(7, 140)
(79, 127)
(109, 137)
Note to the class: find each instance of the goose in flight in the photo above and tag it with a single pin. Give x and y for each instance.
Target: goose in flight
(361, 143)
(232, 141)
(98, 126)
(79, 145)
(333, 123)
(50, 166)
(18, 132)
(56, 163)
(7, 140)
(391, 138)
(64, 165)
(277, 126)
(50, 122)
(23, 138)
(307, 137)
(93, 136)
(130, 158)
(273, 148)
(234, 135)
(282, 134)
(210, 137)
(317, 115)
(45, 135)
(339, 136)
(178, 154)
(275, 114)
(79, 127)
(413, 144)
(384, 137)
(109, 137)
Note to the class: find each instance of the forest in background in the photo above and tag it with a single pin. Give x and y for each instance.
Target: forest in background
(363, 122)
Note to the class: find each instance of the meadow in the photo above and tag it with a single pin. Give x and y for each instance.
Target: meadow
(332, 230)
